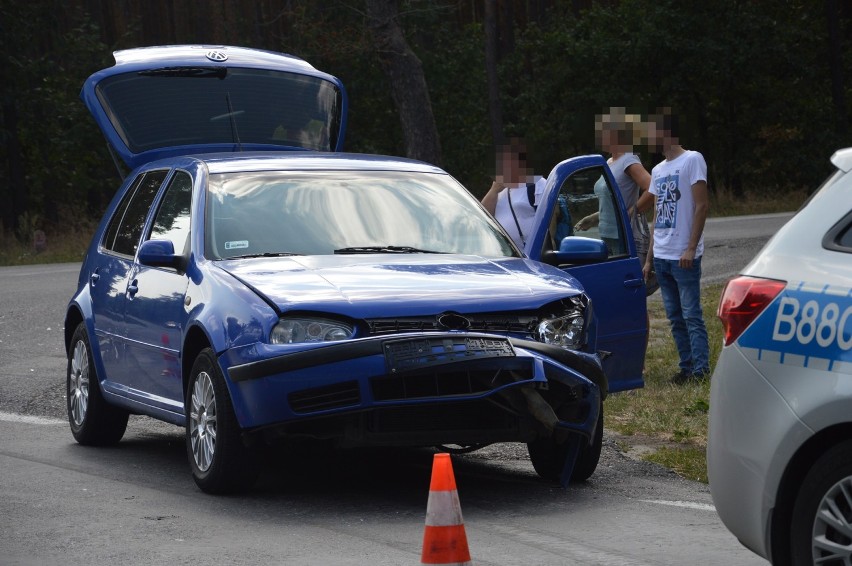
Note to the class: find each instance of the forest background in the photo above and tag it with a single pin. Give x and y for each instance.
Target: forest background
(760, 86)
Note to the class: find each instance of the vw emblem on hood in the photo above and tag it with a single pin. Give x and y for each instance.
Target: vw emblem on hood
(453, 321)
(216, 55)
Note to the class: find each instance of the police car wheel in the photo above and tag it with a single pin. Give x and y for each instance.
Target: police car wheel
(822, 514)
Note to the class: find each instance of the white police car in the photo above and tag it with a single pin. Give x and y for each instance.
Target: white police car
(780, 442)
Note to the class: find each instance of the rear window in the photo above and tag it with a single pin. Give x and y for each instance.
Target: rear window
(179, 106)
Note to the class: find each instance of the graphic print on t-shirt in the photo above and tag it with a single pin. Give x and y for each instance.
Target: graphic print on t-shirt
(668, 195)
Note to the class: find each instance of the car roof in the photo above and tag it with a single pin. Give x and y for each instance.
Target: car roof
(842, 159)
(299, 161)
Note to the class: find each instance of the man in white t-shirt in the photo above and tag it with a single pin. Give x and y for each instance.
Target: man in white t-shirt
(513, 196)
(679, 185)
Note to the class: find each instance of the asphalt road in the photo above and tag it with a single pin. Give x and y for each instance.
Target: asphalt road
(730, 243)
(61, 503)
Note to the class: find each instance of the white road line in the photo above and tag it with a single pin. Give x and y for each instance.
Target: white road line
(30, 419)
(684, 504)
(579, 552)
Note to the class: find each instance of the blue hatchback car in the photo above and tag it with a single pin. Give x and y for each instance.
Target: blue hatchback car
(252, 283)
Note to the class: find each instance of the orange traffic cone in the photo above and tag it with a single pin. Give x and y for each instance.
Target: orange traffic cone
(444, 541)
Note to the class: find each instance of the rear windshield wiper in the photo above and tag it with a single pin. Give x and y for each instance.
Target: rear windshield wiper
(384, 250)
(265, 254)
(197, 72)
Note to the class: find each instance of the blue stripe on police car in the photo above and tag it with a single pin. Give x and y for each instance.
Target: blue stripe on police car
(806, 325)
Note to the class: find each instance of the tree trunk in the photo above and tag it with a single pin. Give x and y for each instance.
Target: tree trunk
(408, 83)
(495, 110)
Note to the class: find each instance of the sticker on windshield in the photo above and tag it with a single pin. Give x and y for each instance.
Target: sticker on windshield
(236, 245)
(807, 325)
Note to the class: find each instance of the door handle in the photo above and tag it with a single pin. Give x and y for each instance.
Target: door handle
(633, 282)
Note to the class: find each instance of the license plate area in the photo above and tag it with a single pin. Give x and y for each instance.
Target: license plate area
(417, 353)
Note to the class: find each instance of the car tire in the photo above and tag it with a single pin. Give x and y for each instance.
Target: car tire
(548, 456)
(220, 461)
(94, 422)
(824, 494)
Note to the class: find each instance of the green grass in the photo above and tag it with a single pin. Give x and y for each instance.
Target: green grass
(687, 462)
(669, 420)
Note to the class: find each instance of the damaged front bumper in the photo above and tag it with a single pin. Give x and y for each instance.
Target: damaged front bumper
(417, 389)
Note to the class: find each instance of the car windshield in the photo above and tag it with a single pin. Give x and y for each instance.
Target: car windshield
(346, 212)
(179, 106)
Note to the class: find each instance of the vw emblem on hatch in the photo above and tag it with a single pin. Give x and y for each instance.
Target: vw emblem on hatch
(453, 321)
(216, 55)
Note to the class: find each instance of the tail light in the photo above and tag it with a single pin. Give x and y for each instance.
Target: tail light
(742, 300)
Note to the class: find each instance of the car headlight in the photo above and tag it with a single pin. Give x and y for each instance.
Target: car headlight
(566, 332)
(568, 329)
(306, 330)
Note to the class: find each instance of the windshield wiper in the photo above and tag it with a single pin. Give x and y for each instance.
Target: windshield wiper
(384, 250)
(265, 254)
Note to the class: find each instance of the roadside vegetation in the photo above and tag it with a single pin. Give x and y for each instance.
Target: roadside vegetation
(64, 241)
(489, 71)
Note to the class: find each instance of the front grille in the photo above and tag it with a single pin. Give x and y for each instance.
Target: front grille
(456, 380)
(500, 323)
(334, 396)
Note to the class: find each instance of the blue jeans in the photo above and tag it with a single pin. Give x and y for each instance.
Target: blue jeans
(681, 292)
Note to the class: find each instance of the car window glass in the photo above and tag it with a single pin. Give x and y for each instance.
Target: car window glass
(588, 193)
(198, 105)
(845, 239)
(109, 236)
(172, 220)
(129, 227)
(319, 213)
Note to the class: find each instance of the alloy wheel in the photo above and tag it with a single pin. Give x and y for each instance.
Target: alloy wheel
(78, 383)
(832, 535)
(202, 421)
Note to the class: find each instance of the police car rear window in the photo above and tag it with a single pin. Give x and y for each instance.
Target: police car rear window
(839, 238)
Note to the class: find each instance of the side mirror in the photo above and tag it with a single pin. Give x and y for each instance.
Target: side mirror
(577, 250)
(160, 253)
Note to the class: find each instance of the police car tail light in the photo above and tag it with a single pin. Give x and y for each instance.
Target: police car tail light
(743, 299)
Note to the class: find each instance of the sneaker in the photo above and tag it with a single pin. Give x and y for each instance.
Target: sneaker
(684, 376)
(681, 377)
(702, 375)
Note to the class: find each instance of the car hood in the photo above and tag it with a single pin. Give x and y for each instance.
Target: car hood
(188, 99)
(373, 285)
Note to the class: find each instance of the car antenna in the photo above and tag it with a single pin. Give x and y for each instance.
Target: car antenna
(234, 132)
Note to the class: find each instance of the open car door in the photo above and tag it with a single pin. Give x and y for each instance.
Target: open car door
(603, 258)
